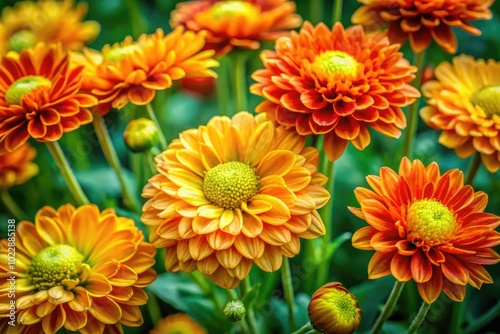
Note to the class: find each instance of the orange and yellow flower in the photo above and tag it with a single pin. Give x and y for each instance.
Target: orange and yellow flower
(78, 269)
(49, 21)
(132, 71)
(39, 96)
(336, 82)
(422, 21)
(464, 102)
(334, 310)
(427, 227)
(231, 193)
(236, 24)
(17, 167)
(179, 323)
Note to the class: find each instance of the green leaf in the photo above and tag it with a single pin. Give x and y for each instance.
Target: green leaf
(251, 296)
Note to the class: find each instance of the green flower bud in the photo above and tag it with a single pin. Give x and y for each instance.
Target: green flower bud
(141, 135)
(234, 310)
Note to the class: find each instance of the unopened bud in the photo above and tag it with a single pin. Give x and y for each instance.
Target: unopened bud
(234, 310)
(141, 135)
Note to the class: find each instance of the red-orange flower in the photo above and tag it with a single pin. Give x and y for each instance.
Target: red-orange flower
(179, 323)
(232, 193)
(132, 71)
(39, 96)
(421, 21)
(336, 82)
(75, 269)
(464, 102)
(427, 227)
(236, 24)
(17, 167)
(49, 21)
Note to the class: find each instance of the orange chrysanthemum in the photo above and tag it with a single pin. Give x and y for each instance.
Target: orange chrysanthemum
(231, 193)
(49, 21)
(336, 82)
(427, 227)
(236, 24)
(17, 167)
(334, 310)
(133, 71)
(421, 21)
(39, 96)
(78, 269)
(464, 102)
(179, 323)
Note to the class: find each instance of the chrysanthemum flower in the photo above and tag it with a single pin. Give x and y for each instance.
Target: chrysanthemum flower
(231, 193)
(421, 21)
(179, 323)
(39, 96)
(427, 227)
(17, 167)
(49, 21)
(334, 310)
(336, 82)
(236, 24)
(464, 102)
(132, 71)
(78, 269)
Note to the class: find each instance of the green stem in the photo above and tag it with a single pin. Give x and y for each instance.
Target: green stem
(222, 87)
(150, 161)
(337, 11)
(457, 317)
(110, 153)
(286, 277)
(240, 80)
(419, 318)
(304, 329)
(12, 206)
(388, 307)
(153, 308)
(485, 319)
(326, 215)
(137, 20)
(316, 11)
(152, 116)
(67, 173)
(473, 168)
(245, 287)
(409, 136)
(207, 287)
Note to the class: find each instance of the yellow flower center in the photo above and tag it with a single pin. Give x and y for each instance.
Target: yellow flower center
(228, 185)
(21, 40)
(54, 264)
(335, 62)
(23, 86)
(233, 8)
(117, 53)
(343, 307)
(430, 221)
(488, 98)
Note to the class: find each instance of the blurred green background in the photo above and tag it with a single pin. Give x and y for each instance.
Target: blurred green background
(180, 111)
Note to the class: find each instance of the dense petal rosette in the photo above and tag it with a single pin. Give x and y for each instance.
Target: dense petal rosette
(179, 323)
(422, 21)
(336, 82)
(464, 102)
(39, 96)
(231, 193)
(17, 167)
(78, 269)
(427, 227)
(132, 71)
(236, 24)
(49, 21)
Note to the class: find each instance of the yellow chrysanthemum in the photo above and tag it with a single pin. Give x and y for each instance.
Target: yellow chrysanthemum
(17, 167)
(179, 323)
(231, 193)
(78, 269)
(464, 102)
(49, 21)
